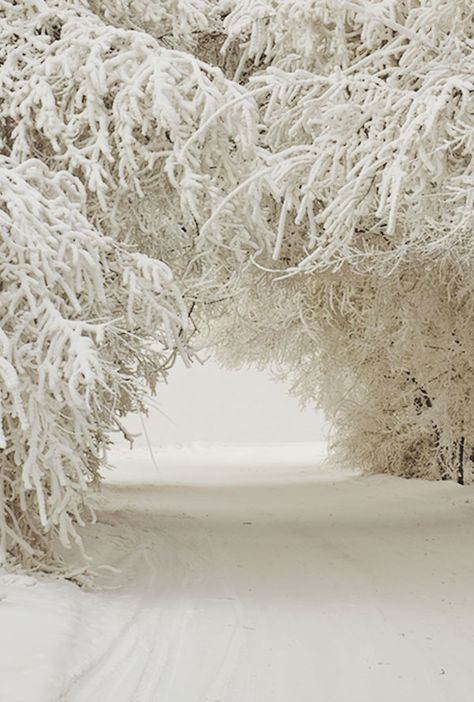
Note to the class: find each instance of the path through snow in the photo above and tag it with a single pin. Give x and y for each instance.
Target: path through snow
(254, 576)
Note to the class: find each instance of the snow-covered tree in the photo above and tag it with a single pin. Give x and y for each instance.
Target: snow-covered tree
(362, 212)
(86, 326)
(104, 173)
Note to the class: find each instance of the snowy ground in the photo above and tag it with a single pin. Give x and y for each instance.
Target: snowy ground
(254, 575)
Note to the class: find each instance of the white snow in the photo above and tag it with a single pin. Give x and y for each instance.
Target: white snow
(253, 575)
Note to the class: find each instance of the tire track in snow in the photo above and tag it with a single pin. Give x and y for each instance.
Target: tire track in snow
(171, 631)
(222, 675)
(146, 659)
(163, 631)
(118, 671)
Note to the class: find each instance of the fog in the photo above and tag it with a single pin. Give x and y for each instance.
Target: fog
(209, 404)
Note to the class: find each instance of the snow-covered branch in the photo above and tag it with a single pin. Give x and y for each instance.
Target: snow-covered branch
(85, 326)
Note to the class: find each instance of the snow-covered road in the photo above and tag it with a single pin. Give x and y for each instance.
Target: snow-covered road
(255, 576)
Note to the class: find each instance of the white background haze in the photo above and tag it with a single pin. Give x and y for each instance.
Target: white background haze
(210, 404)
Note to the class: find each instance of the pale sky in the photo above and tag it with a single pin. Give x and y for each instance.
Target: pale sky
(207, 403)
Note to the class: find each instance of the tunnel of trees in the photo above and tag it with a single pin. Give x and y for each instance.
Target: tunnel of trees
(289, 181)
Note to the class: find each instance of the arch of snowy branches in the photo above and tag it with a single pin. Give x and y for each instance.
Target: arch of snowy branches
(289, 180)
